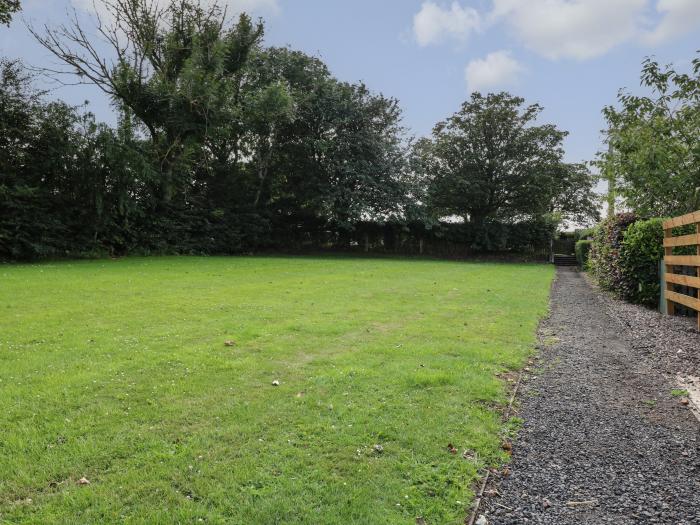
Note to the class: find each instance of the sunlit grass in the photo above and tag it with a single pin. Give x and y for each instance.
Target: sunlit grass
(117, 371)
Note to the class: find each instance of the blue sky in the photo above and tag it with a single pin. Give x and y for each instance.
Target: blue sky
(571, 56)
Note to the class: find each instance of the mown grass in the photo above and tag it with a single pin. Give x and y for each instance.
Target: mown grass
(117, 371)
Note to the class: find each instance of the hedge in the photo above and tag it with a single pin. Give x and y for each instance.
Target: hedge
(530, 238)
(604, 260)
(625, 255)
(583, 249)
(642, 251)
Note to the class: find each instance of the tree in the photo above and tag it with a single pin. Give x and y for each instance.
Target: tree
(362, 158)
(174, 66)
(67, 184)
(489, 161)
(229, 143)
(322, 150)
(654, 142)
(7, 9)
(573, 196)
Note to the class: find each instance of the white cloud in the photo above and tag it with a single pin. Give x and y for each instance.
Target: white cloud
(579, 29)
(433, 23)
(497, 70)
(678, 17)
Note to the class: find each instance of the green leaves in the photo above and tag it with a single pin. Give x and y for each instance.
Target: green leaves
(625, 256)
(7, 9)
(490, 160)
(654, 142)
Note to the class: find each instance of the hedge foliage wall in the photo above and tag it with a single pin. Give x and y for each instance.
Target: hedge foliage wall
(625, 256)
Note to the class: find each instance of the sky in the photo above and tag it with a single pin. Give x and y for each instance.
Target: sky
(570, 56)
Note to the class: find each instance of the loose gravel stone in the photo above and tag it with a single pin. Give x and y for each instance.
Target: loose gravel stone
(603, 439)
(672, 343)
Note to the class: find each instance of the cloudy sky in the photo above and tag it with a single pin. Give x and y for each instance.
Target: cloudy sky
(571, 56)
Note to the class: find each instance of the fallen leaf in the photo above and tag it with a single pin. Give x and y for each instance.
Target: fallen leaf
(507, 446)
(685, 401)
(451, 448)
(300, 394)
(230, 343)
(83, 481)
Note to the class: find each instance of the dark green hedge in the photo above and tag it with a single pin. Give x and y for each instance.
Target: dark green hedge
(442, 239)
(604, 258)
(583, 249)
(642, 251)
(625, 256)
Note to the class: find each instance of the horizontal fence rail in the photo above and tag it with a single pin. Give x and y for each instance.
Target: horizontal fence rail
(690, 296)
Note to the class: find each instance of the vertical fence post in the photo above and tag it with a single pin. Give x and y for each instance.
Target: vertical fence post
(670, 305)
(697, 270)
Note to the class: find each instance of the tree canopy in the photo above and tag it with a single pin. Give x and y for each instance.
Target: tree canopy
(224, 145)
(654, 142)
(7, 9)
(490, 161)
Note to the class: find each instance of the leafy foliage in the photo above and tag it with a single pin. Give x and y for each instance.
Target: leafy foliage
(584, 233)
(583, 250)
(226, 146)
(642, 251)
(625, 257)
(224, 141)
(7, 9)
(490, 161)
(654, 142)
(66, 182)
(605, 256)
(177, 70)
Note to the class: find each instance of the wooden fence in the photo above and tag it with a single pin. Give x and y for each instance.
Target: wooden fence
(692, 299)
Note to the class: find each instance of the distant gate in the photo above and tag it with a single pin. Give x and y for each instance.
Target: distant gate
(673, 280)
(564, 246)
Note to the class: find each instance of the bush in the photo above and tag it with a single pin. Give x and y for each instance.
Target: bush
(583, 249)
(642, 250)
(584, 234)
(625, 255)
(604, 258)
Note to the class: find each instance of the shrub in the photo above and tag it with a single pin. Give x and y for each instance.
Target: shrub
(583, 249)
(584, 234)
(604, 258)
(642, 250)
(625, 255)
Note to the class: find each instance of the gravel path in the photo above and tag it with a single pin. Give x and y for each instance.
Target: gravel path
(603, 439)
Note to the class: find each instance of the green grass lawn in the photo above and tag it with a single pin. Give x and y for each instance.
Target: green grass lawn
(117, 371)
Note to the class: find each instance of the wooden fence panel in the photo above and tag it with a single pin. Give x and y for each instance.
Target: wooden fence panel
(671, 261)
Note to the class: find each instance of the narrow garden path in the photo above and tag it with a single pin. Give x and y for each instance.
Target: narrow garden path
(604, 439)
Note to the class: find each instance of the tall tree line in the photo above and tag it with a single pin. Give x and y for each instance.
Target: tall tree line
(224, 145)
